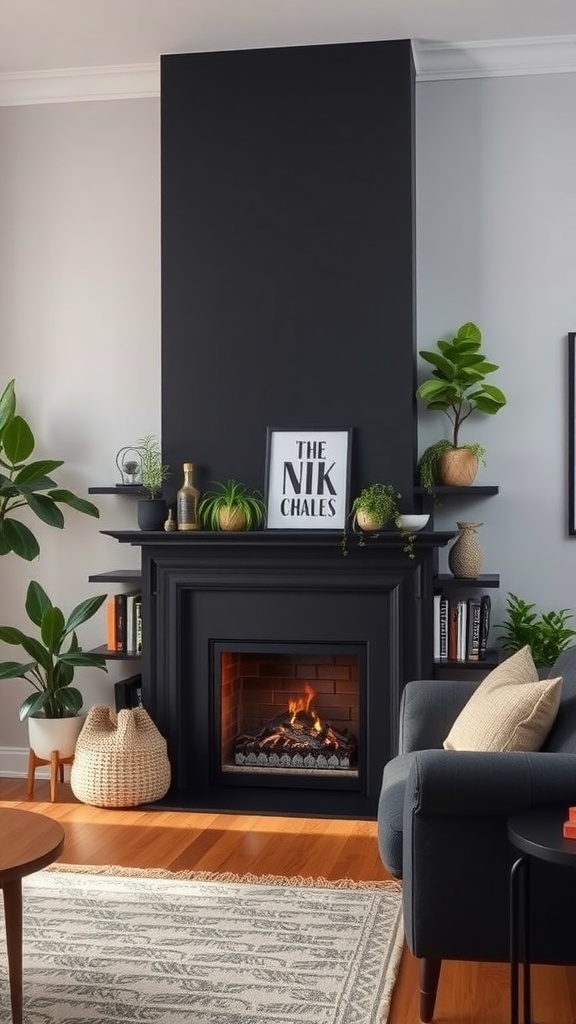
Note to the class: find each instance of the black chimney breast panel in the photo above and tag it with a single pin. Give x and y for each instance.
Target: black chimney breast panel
(287, 255)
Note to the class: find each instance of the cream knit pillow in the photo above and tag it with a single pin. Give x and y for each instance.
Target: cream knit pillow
(511, 709)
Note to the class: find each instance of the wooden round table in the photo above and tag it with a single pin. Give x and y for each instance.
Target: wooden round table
(28, 842)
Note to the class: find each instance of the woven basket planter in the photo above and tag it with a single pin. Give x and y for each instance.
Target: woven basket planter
(120, 760)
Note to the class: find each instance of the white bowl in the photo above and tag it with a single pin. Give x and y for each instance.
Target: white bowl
(413, 522)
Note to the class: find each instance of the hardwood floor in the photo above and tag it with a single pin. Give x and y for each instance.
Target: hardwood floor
(468, 993)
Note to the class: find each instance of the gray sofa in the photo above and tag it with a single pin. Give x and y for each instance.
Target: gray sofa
(442, 829)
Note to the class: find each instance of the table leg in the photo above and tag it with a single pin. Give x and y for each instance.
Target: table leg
(515, 873)
(526, 941)
(13, 915)
(520, 939)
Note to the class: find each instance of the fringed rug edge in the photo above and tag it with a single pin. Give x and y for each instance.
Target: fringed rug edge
(225, 876)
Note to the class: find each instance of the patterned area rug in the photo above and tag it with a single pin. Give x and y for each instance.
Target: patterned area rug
(192, 948)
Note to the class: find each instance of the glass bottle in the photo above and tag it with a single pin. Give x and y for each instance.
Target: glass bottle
(187, 501)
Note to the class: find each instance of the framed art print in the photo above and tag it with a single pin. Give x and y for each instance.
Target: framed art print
(307, 478)
(571, 432)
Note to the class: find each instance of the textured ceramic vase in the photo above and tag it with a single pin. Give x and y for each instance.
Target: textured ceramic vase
(465, 555)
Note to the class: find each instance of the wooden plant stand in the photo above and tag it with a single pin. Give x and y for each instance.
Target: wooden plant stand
(56, 770)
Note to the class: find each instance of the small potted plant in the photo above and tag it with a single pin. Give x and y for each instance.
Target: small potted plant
(457, 387)
(151, 510)
(53, 709)
(547, 634)
(28, 482)
(373, 509)
(232, 506)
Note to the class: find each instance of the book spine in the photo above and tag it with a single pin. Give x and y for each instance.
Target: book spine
(485, 605)
(111, 624)
(437, 601)
(120, 616)
(462, 629)
(138, 626)
(131, 600)
(452, 631)
(444, 628)
(474, 628)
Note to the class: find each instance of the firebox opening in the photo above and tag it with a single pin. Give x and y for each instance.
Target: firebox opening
(289, 709)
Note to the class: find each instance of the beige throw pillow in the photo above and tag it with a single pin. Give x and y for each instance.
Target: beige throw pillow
(511, 709)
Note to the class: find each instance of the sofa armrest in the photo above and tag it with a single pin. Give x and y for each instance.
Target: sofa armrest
(428, 710)
(455, 840)
(446, 783)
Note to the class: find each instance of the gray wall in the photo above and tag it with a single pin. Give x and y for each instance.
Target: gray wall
(496, 209)
(79, 317)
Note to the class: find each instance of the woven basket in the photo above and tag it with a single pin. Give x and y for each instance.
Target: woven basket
(120, 760)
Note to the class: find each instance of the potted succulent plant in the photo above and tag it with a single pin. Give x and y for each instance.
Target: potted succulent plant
(547, 634)
(153, 472)
(232, 506)
(53, 709)
(28, 482)
(372, 509)
(457, 387)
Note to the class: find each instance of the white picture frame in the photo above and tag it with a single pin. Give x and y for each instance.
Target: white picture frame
(307, 478)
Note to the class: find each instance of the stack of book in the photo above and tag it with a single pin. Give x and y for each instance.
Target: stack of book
(124, 622)
(461, 628)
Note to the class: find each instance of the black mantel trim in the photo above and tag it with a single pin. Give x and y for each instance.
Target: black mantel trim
(275, 538)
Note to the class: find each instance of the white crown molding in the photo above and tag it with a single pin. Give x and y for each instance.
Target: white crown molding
(434, 61)
(494, 58)
(74, 85)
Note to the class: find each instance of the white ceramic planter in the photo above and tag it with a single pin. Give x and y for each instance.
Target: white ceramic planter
(48, 734)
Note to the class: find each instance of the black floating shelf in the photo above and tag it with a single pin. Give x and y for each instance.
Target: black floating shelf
(474, 490)
(135, 490)
(486, 580)
(116, 576)
(490, 661)
(115, 655)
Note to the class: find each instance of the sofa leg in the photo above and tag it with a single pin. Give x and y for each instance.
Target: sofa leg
(429, 976)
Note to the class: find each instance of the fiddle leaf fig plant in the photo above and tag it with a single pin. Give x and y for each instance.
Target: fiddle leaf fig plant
(458, 384)
(50, 668)
(26, 482)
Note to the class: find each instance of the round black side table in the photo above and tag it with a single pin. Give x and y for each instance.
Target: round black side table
(537, 832)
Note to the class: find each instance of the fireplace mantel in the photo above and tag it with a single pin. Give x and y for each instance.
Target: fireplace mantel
(268, 539)
(273, 590)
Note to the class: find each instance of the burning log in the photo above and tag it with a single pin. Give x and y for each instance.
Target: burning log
(297, 733)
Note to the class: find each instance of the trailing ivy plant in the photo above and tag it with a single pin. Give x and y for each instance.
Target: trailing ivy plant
(26, 482)
(546, 634)
(378, 502)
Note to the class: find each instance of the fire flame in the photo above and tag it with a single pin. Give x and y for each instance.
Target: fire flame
(305, 704)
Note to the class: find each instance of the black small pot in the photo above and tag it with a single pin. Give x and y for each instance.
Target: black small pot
(152, 513)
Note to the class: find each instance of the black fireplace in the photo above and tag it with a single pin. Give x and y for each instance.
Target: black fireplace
(249, 637)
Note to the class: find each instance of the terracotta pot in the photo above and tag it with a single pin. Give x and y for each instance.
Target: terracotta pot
(457, 467)
(366, 522)
(231, 519)
(48, 734)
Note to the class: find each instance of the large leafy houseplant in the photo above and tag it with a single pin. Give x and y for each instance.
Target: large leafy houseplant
(27, 482)
(232, 506)
(547, 634)
(53, 656)
(457, 388)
